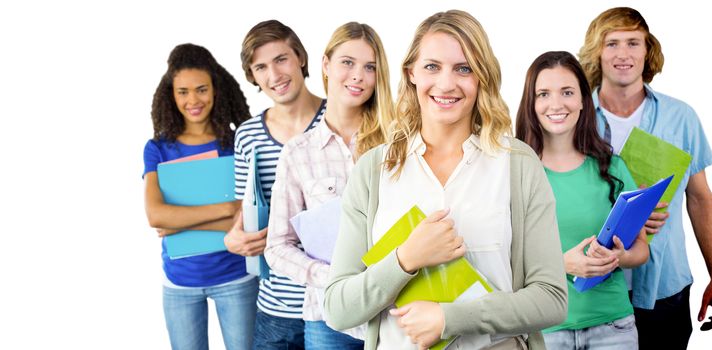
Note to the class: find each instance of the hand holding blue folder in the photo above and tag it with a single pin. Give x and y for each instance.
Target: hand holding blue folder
(255, 215)
(196, 182)
(629, 214)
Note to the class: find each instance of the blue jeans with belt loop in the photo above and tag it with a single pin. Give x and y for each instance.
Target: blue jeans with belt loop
(620, 334)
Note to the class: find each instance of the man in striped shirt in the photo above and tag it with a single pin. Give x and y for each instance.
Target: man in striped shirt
(275, 60)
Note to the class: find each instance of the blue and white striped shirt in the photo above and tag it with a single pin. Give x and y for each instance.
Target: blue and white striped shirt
(278, 295)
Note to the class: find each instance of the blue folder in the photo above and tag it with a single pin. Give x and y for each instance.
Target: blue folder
(197, 182)
(255, 215)
(629, 214)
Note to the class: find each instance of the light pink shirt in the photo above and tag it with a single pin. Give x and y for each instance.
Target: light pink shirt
(313, 168)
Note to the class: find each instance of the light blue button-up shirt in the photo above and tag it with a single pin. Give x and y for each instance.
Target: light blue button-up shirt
(667, 271)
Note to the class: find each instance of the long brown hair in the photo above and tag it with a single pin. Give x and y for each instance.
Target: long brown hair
(586, 138)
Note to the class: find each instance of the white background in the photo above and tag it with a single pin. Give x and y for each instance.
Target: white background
(79, 266)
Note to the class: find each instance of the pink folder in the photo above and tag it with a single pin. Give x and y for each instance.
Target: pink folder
(199, 156)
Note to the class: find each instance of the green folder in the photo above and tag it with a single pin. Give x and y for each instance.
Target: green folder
(650, 159)
(394, 237)
(443, 283)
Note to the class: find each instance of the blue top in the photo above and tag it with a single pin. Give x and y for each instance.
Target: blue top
(667, 271)
(201, 270)
(278, 296)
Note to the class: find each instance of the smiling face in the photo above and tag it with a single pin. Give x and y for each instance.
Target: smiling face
(351, 73)
(194, 94)
(445, 84)
(278, 72)
(558, 102)
(623, 58)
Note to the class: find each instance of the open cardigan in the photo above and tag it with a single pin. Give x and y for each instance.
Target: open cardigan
(356, 295)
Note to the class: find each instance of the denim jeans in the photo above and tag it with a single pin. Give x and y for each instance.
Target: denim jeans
(278, 333)
(319, 336)
(186, 313)
(620, 334)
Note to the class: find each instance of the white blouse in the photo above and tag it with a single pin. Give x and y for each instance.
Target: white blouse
(477, 193)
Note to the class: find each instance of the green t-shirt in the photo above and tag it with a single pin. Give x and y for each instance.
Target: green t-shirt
(582, 207)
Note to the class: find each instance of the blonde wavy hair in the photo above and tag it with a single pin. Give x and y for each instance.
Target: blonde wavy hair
(378, 111)
(490, 117)
(618, 19)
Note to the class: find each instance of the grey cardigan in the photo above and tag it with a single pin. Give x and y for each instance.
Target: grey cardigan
(356, 295)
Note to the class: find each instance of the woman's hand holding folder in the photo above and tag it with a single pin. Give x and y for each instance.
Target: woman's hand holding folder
(577, 263)
(433, 242)
(635, 256)
(422, 321)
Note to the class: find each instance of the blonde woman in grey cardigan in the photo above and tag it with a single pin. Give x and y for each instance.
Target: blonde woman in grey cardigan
(449, 153)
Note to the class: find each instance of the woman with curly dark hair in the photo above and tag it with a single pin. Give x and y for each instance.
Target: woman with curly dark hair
(194, 106)
(229, 106)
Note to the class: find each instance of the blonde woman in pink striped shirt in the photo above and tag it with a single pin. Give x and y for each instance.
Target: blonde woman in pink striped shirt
(314, 167)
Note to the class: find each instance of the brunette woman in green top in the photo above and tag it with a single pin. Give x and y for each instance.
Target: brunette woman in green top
(557, 119)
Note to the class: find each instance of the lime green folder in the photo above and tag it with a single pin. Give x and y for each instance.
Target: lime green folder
(650, 159)
(394, 237)
(443, 283)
